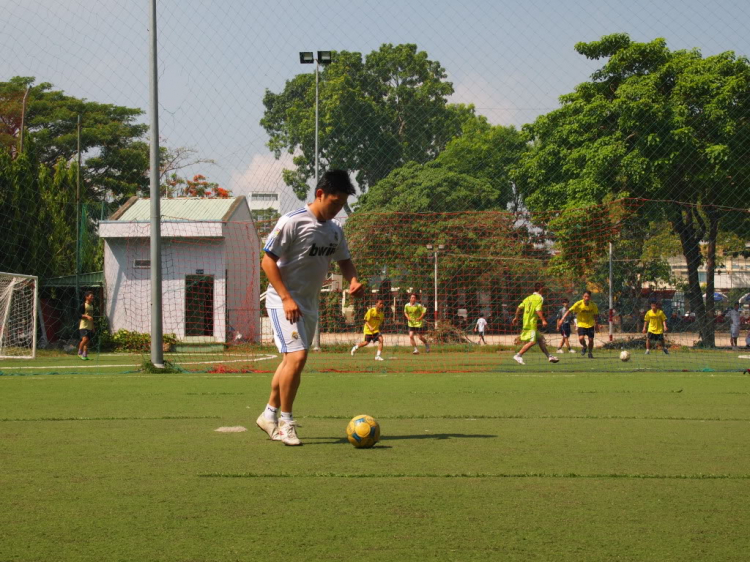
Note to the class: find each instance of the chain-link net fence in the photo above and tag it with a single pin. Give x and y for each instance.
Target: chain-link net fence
(587, 147)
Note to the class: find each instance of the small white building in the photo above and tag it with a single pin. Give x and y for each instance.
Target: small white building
(210, 269)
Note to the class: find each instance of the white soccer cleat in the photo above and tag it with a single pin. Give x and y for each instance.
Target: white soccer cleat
(560, 350)
(378, 358)
(519, 359)
(288, 433)
(647, 352)
(571, 350)
(269, 426)
(354, 349)
(415, 352)
(553, 359)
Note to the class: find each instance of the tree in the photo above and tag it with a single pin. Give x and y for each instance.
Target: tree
(375, 115)
(651, 123)
(116, 157)
(471, 174)
(199, 186)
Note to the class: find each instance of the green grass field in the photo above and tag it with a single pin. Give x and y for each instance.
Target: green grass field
(480, 463)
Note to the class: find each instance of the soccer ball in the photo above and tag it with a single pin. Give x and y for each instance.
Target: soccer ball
(624, 355)
(363, 431)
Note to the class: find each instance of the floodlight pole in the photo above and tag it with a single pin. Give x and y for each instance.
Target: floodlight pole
(316, 333)
(437, 248)
(611, 298)
(157, 351)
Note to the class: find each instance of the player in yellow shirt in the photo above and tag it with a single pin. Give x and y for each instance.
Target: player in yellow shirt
(415, 313)
(374, 318)
(587, 318)
(531, 309)
(655, 323)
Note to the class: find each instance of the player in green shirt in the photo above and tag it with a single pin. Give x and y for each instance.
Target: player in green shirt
(414, 313)
(531, 309)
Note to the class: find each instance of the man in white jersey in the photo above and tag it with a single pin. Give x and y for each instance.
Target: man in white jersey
(298, 253)
(735, 318)
(480, 327)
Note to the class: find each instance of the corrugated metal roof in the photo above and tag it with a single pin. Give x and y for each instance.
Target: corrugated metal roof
(192, 209)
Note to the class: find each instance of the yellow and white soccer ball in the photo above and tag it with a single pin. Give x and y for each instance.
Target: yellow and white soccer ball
(363, 431)
(624, 355)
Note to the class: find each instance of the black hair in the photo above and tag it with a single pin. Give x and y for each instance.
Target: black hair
(587, 293)
(336, 181)
(538, 286)
(481, 314)
(88, 293)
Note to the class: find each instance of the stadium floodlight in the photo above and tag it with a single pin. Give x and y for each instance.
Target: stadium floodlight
(324, 57)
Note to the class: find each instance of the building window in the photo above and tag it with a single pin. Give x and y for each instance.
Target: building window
(142, 264)
(264, 196)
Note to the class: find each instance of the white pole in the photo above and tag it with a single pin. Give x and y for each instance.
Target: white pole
(316, 335)
(436, 288)
(157, 351)
(611, 298)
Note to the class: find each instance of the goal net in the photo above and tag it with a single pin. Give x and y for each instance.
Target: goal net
(18, 298)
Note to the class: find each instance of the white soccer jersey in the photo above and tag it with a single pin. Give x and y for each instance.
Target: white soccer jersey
(305, 247)
(481, 324)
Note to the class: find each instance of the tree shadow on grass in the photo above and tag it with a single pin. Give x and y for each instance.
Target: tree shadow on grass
(436, 436)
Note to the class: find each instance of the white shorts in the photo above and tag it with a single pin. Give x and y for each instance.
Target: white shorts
(291, 337)
(734, 331)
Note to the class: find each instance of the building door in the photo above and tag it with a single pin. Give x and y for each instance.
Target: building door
(199, 305)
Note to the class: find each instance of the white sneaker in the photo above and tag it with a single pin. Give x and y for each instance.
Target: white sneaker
(571, 350)
(270, 427)
(354, 349)
(648, 351)
(415, 352)
(288, 433)
(378, 358)
(553, 359)
(559, 350)
(519, 359)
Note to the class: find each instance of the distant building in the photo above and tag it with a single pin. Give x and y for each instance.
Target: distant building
(210, 269)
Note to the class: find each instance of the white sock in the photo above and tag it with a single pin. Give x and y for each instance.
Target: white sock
(415, 348)
(270, 412)
(377, 354)
(287, 416)
(354, 349)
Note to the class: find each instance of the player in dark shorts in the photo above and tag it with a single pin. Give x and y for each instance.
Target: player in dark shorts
(563, 327)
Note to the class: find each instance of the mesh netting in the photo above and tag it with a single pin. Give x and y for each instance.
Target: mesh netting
(588, 148)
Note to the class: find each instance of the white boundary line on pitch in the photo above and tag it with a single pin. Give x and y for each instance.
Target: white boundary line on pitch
(265, 357)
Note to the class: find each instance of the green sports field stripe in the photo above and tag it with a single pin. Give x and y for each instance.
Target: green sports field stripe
(524, 417)
(109, 418)
(470, 475)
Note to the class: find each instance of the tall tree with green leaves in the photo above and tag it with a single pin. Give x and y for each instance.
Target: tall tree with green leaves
(657, 124)
(114, 152)
(376, 114)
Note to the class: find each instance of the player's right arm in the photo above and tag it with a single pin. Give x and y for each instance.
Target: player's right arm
(292, 311)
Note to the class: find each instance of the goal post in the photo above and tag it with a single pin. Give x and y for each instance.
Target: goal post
(18, 315)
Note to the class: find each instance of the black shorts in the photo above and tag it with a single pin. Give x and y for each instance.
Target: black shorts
(586, 332)
(655, 337)
(417, 330)
(85, 333)
(565, 330)
(372, 337)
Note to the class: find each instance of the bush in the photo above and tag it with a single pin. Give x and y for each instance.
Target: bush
(125, 340)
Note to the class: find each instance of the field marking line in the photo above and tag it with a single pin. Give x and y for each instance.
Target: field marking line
(51, 367)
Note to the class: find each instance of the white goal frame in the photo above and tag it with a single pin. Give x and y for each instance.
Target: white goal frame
(6, 293)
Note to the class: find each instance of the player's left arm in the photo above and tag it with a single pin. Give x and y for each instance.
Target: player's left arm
(350, 274)
(664, 322)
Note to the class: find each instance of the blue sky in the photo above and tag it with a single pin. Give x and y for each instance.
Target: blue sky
(511, 59)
